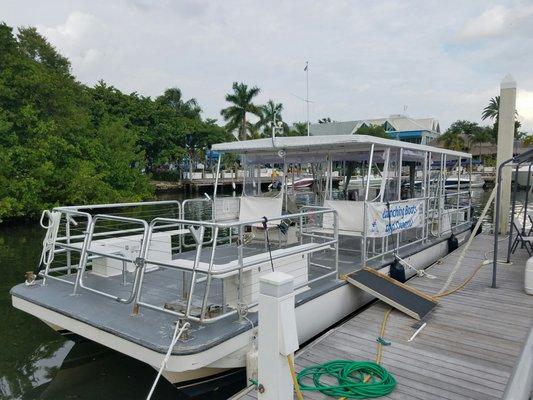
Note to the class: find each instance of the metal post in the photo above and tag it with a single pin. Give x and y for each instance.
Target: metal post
(67, 234)
(497, 222)
(527, 199)
(442, 191)
(240, 253)
(83, 254)
(423, 182)
(336, 236)
(400, 161)
(469, 216)
(428, 193)
(458, 190)
(199, 241)
(215, 189)
(307, 95)
(370, 160)
(512, 212)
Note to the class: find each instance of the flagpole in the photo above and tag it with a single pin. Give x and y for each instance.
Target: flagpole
(307, 94)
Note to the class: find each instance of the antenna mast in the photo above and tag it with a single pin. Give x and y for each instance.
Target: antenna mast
(306, 69)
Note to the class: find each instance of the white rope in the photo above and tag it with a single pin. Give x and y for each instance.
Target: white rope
(175, 338)
(419, 272)
(49, 241)
(470, 240)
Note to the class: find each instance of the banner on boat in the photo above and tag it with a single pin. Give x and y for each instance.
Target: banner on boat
(382, 220)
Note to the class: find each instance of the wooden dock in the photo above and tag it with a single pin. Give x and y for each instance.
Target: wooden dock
(469, 347)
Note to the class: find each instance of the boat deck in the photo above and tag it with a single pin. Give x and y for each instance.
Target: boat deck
(153, 329)
(469, 347)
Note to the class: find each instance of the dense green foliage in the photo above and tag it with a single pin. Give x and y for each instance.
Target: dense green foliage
(372, 130)
(62, 142)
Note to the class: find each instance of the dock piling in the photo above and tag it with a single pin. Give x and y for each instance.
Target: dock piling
(277, 336)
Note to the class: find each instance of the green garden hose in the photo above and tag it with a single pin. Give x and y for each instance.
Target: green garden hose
(354, 379)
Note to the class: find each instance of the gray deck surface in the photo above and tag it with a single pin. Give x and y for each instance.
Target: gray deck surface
(466, 351)
(153, 329)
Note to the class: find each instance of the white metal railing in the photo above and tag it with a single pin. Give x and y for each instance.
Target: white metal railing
(131, 243)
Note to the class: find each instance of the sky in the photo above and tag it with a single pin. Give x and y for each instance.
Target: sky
(367, 59)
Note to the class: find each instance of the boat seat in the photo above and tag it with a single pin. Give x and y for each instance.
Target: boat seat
(253, 208)
(351, 218)
(228, 269)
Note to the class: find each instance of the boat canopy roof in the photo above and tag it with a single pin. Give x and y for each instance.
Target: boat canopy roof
(330, 143)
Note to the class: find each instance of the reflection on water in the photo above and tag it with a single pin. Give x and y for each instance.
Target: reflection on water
(37, 363)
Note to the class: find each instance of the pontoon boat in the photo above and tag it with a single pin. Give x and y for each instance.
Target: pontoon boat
(124, 274)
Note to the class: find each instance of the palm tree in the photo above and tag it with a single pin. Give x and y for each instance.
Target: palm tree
(235, 114)
(298, 129)
(492, 110)
(173, 98)
(254, 131)
(271, 112)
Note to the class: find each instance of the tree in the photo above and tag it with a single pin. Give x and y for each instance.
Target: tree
(492, 111)
(271, 112)
(298, 129)
(173, 98)
(325, 120)
(528, 141)
(372, 130)
(241, 104)
(54, 147)
(481, 135)
(201, 136)
(451, 140)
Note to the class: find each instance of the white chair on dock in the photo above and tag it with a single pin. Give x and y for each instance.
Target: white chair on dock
(522, 239)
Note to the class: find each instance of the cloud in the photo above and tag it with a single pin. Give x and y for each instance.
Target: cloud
(524, 107)
(497, 21)
(489, 23)
(367, 58)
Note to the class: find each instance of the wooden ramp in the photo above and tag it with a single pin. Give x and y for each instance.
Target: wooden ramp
(409, 300)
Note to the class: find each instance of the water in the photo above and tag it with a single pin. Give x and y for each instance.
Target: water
(38, 363)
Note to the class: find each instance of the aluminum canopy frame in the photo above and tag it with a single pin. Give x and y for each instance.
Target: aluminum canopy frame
(337, 143)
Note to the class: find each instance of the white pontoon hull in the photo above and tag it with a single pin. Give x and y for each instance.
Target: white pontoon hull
(332, 307)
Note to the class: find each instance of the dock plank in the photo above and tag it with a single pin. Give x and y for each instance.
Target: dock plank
(468, 348)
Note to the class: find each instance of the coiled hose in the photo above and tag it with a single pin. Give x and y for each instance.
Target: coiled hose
(355, 379)
(352, 379)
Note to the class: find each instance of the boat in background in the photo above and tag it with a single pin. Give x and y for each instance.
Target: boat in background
(474, 180)
(523, 173)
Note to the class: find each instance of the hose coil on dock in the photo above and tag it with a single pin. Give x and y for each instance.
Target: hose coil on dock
(355, 379)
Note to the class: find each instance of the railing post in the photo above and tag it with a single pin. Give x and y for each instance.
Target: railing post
(83, 254)
(198, 238)
(67, 234)
(278, 337)
(240, 255)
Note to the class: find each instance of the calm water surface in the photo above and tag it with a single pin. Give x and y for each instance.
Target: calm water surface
(37, 363)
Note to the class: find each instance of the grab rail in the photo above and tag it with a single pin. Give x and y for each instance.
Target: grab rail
(240, 266)
(138, 262)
